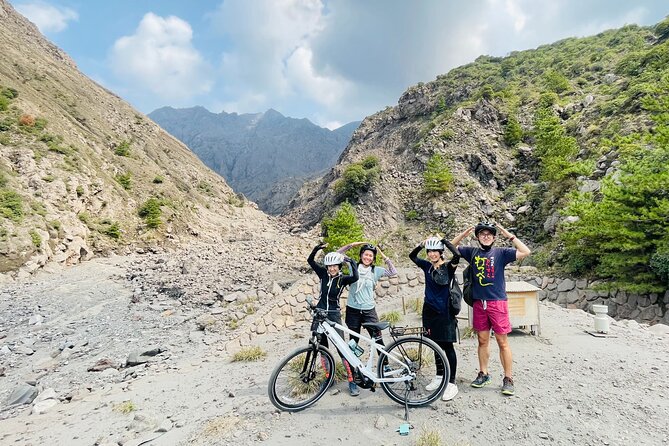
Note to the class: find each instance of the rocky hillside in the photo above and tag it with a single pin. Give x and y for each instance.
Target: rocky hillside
(82, 172)
(545, 141)
(256, 153)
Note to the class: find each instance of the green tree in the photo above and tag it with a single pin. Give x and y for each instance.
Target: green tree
(622, 234)
(513, 133)
(342, 228)
(555, 149)
(437, 177)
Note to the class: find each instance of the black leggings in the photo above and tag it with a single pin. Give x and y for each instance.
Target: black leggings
(450, 357)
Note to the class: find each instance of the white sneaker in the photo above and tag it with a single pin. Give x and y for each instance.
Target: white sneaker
(436, 382)
(450, 392)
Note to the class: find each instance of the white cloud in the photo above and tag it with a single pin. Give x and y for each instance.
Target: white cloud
(47, 17)
(160, 57)
(270, 54)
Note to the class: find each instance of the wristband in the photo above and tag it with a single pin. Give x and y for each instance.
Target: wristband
(512, 238)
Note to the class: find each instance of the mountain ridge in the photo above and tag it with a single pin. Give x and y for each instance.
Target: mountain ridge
(256, 152)
(83, 173)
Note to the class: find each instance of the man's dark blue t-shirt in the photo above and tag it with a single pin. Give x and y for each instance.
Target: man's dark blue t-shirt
(488, 266)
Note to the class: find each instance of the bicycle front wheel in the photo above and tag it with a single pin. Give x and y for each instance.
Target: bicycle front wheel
(420, 356)
(301, 378)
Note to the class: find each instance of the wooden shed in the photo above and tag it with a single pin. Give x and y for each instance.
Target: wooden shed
(523, 306)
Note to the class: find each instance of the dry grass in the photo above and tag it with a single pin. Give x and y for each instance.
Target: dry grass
(221, 426)
(416, 305)
(429, 438)
(392, 316)
(468, 333)
(249, 354)
(125, 407)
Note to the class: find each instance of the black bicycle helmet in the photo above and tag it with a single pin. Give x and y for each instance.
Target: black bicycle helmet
(368, 247)
(485, 226)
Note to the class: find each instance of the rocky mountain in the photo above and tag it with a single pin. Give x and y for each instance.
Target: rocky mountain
(545, 141)
(256, 153)
(82, 172)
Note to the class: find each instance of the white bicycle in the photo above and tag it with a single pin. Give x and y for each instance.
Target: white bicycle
(403, 370)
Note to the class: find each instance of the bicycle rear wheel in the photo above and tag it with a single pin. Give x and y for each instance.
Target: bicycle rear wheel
(420, 355)
(301, 379)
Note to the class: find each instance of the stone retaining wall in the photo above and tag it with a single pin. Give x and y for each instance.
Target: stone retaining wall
(291, 309)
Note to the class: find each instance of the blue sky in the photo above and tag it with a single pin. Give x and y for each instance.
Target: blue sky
(332, 61)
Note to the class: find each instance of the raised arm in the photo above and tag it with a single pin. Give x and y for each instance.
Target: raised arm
(343, 249)
(390, 268)
(456, 241)
(353, 277)
(311, 260)
(522, 250)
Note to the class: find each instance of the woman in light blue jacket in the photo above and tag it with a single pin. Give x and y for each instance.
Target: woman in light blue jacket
(360, 305)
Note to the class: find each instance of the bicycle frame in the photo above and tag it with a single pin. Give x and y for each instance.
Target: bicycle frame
(330, 329)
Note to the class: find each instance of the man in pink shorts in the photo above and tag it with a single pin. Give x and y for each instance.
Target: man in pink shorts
(491, 309)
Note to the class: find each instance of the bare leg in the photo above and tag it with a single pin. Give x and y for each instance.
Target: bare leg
(505, 355)
(484, 352)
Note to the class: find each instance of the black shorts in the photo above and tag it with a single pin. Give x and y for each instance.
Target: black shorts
(355, 318)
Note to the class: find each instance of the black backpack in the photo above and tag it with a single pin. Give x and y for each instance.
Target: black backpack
(468, 281)
(456, 296)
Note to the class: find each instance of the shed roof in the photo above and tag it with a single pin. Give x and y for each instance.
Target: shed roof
(520, 287)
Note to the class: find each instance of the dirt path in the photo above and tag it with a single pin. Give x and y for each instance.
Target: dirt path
(572, 388)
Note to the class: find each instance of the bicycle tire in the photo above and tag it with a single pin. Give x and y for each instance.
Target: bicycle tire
(290, 389)
(420, 355)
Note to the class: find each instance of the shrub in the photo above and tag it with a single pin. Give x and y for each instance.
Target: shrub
(80, 190)
(4, 103)
(84, 217)
(437, 177)
(151, 211)
(123, 149)
(357, 178)
(342, 228)
(412, 215)
(447, 135)
(3, 180)
(249, 354)
(35, 238)
(555, 81)
(158, 179)
(124, 180)
(659, 263)
(11, 205)
(26, 120)
(113, 230)
(9, 93)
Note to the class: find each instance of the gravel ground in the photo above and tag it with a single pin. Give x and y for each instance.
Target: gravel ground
(571, 388)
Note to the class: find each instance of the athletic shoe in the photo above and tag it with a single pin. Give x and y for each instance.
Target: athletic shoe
(450, 392)
(482, 379)
(353, 389)
(436, 382)
(507, 386)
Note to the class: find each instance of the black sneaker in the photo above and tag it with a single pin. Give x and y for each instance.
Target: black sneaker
(353, 389)
(482, 379)
(507, 386)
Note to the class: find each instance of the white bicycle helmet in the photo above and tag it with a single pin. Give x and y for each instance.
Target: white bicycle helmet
(333, 258)
(434, 244)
